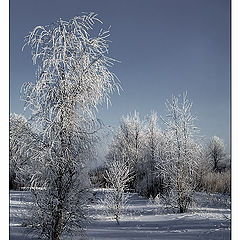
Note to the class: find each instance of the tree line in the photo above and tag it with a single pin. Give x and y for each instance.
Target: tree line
(171, 162)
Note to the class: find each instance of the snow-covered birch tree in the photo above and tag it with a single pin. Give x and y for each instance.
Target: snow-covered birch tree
(180, 160)
(72, 78)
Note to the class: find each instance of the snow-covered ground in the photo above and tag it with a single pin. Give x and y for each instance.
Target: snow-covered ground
(209, 219)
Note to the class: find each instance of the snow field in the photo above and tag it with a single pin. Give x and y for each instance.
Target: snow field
(209, 218)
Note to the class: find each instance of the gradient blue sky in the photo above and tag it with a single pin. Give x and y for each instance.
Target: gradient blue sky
(165, 47)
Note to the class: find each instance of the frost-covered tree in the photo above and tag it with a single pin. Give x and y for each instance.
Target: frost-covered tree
(216, 153)
(118, 176)
(153, 139)
(73, 77)
(129, 140)
(180, 159)
(22, 146)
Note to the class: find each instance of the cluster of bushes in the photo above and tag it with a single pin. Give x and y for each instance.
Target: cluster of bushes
(217, 182)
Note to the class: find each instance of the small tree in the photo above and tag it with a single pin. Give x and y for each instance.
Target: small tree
(73, 77)
(216, 153)
(118, 176)
(180, 160)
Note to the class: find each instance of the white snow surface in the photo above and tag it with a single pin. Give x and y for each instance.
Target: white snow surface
(209, 218)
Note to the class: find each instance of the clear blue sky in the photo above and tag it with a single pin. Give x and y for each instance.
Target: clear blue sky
(165, 47)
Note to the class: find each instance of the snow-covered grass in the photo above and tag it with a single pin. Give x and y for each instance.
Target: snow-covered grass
(209, 218)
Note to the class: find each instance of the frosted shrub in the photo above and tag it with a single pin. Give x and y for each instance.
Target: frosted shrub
(151, 201)
(215, 182)
(114, 206)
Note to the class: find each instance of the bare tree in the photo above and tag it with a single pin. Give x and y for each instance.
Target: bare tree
(180, 160)
(73, 77)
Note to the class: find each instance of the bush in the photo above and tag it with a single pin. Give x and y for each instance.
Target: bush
(216, 182)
